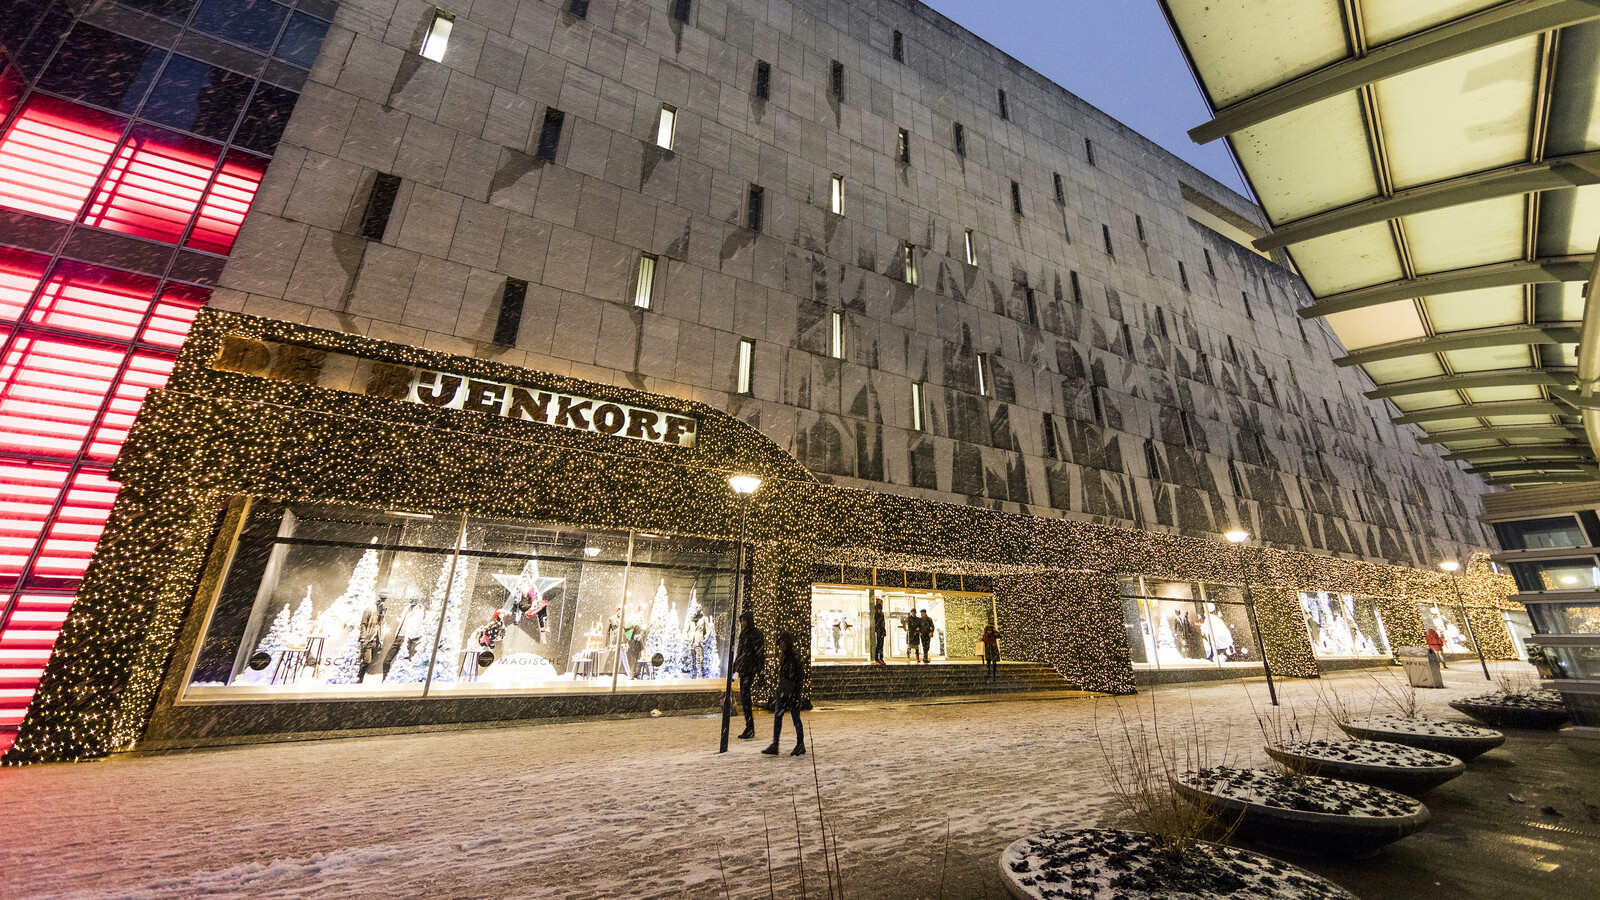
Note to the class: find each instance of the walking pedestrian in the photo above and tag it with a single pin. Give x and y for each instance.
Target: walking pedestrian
(991, 651)
(788, 701)
(748, 661)
(1436, 645)
(913, 636)
(927, 635)
(880, 632)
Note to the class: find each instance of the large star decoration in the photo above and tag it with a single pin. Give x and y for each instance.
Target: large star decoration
(528, 583)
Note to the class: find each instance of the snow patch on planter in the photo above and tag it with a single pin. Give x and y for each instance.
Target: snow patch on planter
(1369, 753)
(1309, 793)
(1425, 727)
(1540, 700)
(1092, 863)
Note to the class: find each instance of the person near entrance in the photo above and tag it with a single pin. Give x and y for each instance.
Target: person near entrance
(748, 662)
(991, 651)
(913, 636)
(926, 625)
(789, 675)
(880, 632)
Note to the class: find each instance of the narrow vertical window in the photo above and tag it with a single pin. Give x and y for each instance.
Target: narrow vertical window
(645, 289)
(899, 47)
(763, 80)
(916, 406)
(380, 204)
(908, 260)
(836, 80)
(1300, 324)
(1032, 303)
(960, 132)
(550, 135)
(1016, 198)
(755, 208)
(1161, 322)
(1233, 351)
(903, 147)
(666, 126)
(1261, 447)
(836, 335)
(1077, 288)
(579, 8)
(1211, 268)
(972, 249)
(1248, 312)
(1088, 151)
(438, 36)
(1188, 428)
(1183, 276)
(1138, 227)
(1061, 189)
(509, 322)
(1105, 234)
(1234, 480)
(680, 10)
(1202, 366)
(836, 197)
(1375, 432)
(1328, 410)
(1272, 389)
(1051, 448)
(1005, 107)
(1095, 406)
(1152, 460)
(747, 359)
(1127, 338)
(983, 374)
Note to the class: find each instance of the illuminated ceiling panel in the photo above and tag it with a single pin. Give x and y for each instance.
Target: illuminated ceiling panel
(1414, 141)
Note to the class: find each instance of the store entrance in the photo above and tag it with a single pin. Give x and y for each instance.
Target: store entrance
(841, 624)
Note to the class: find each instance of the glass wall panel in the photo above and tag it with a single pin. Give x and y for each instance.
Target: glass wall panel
(1557, 575)
(1541, 534)
(1185, 624)
(841, 623)
(1574, 662)
(1341, 625)
(1565, 618)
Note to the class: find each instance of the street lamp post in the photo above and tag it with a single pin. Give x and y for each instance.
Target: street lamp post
(744, 487)
(1239, 537)
(1451, 567)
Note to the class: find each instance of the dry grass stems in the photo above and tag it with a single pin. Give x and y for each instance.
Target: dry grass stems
(1514, 684)
(1280, 727)
(1397, 693)
(1140, 767)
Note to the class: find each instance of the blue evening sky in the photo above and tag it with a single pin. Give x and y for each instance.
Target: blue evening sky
(1117, 54)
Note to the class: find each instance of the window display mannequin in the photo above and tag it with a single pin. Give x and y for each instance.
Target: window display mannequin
(371, 643)
(697, 629)
(1218, 635)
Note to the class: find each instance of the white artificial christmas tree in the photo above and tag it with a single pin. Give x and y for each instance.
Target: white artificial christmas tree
(664, 636)
(276, 640)
(342, 621)
(300, 626)
(412, 668)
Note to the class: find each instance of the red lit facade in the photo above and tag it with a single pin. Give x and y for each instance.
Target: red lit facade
(122, 186)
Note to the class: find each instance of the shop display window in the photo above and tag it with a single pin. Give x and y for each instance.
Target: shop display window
(1447, 621)
(1183, 624)
(841, 623)
(324, 600)
(1341, 625)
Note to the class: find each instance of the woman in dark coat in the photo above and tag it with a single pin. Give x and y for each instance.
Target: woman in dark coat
(788, 701)
(991, 650)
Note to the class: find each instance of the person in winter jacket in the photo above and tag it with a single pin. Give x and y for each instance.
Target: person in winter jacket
(1436, 645)
(748, 661)
(789, 677)
(880, 632)
(991, 651)
(913, 635)
(927, 635)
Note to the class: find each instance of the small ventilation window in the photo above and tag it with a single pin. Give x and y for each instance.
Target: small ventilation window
(680, 11)
(1248, 312)
(380, 205)
(1088, 151)
(1127, 338)
(1152, 461)
(1077, 288)
(908, 261)
(747, 360)
(1211, 268)
(1032, 302)
(836, 335)
(755, 208)
(1161, 322)
(917, 423)
(983, 374)
(666, 126)
(1005, 105)
(1095, 406)
(438, 36)
(1105, 234)
(1234, 480)
(1138, 227)
(1188, 428)
(960, 133)
(579, 8)
(1016, 198)
(903, 147)
(899, 47)
(763, 80)
(1061, 189)
(836, 80)
(509, 322)
(644, 289)
(972, 248)
(550, 135)
(1052, 448)
(836, 196)
(1183, 276)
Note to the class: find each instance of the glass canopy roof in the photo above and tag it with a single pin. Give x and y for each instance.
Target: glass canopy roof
(1432, 167)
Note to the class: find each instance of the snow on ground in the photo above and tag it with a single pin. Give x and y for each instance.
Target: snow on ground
(915, 793)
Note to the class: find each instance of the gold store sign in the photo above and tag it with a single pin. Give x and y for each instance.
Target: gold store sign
(443, 390)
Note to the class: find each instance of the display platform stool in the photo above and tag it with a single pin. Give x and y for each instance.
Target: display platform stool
(290, 662)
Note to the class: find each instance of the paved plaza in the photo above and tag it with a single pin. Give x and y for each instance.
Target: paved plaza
(921, 798)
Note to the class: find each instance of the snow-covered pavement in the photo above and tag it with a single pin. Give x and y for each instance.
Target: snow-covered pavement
(920, 797)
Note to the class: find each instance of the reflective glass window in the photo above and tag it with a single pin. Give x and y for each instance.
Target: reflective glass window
(253, 23)
(1565, 618)
(105, 69)
(302, 39)
(172, 10)
(1541, 534)
(153, 185)
(1557, 574)
(193, 96)
(265, 118)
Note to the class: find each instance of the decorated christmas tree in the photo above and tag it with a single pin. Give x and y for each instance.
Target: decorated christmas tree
(278, 635)
(664, 636)
(412, 668)
(300, 625)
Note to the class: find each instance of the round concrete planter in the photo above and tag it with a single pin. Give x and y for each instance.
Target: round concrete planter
(1535, 710)
(1084, 863)
(1464, 742)
(1320, 826)
(1407, 770)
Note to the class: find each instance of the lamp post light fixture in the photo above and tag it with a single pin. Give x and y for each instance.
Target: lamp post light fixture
(1451, 568)
(1238, 537)
(744, 488)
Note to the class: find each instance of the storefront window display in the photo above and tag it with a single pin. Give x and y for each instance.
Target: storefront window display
(1179, 624)
(323, 600)
(1341, 625)
(1447, 621)
(842, 622)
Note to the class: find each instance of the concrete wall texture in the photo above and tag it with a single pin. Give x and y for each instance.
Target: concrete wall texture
(1118, 393)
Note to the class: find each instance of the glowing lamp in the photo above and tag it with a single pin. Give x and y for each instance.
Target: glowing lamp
(1237, 537)
(1449, 565)
(744, 484)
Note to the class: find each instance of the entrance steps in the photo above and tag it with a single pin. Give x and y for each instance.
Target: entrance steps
(901, 682)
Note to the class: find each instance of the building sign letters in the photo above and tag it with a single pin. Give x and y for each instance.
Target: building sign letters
(443, 390)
